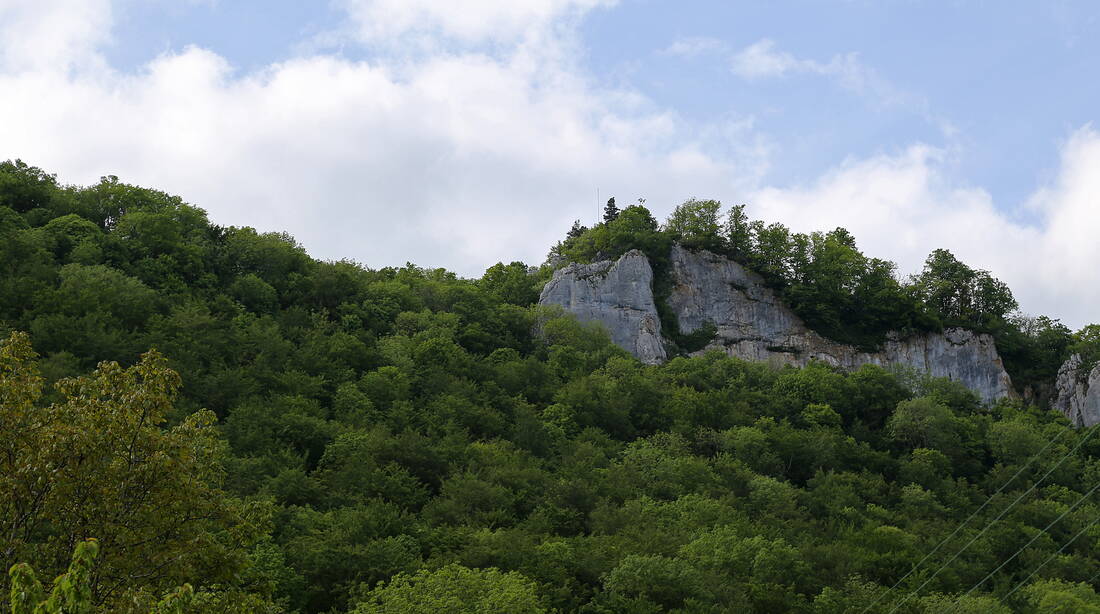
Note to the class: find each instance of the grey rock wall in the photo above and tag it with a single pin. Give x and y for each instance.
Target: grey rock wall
(618, 294)
(752, 322)
(1077, 392)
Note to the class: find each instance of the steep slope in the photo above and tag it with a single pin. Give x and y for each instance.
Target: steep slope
(752, 322)
(1077, 392)
(618, 294)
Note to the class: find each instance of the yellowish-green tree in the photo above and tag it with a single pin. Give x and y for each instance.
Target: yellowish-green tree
(71, 592)
(102, 463)
(455, 589)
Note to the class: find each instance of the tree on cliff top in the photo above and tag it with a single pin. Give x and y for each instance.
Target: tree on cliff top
(610, 211)
(960, 294)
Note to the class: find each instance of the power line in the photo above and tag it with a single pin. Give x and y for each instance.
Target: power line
(967, 521)
(1051, 558)
(994, 521)
(1031, 541)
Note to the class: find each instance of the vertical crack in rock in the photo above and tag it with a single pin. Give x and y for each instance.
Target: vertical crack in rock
(617, 294)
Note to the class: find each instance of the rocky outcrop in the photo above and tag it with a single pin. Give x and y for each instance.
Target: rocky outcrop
(1077, 392)
(752, 322)
(619, 295)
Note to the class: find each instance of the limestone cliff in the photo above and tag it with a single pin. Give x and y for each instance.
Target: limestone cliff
(617, 294)
(752, 322)
(1077, 392)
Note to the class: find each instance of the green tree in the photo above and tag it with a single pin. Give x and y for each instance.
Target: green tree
(1086, 343)
(1060, 597)
(960, 294)
(24, 187)
(101, 463)
(453, 589)
(694, 223)
(72, 590)
(610, 211)
(738, 234)
(576, 230)
(923, 423)
(69, 231)
(510, 283)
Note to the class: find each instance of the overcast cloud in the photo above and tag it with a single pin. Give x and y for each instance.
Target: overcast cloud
(473, 136)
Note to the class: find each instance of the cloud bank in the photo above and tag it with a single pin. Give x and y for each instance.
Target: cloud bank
(485, 144)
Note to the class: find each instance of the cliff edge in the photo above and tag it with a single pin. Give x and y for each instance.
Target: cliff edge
(1077, 392)
(619, 295)
(751, 320)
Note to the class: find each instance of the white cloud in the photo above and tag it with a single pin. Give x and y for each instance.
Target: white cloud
(464, 158)
(692, 46)
(761, 59)
(51, 35)
(902, 207)
(453, 159)
(469, 21)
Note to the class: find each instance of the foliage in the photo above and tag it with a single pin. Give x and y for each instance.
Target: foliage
(610, 211)
(511, 284)
(694, 224)
(402, 437)
(98, 462)
(453, 588)
(73, 593)
(962, 295)
(1086, 344)
(72, 590)
(836, 289)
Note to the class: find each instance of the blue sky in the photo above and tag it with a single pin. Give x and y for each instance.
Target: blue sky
(999, 83)
(460, 134)
(1008, 77)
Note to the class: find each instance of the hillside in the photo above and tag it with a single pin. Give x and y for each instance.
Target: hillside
(746, 319)
(401, 439)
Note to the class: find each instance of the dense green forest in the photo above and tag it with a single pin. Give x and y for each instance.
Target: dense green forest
(242, 428)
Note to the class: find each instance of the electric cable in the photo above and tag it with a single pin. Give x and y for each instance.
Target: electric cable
(995, 520)
(971, 517)
(1030, 541)
(1051, 558)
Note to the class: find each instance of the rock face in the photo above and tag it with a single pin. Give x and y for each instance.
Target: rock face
(617, 294)
(752, 321)
(1077, 392)
(754, 324)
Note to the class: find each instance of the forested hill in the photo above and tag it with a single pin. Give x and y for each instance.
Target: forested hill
(323, 437)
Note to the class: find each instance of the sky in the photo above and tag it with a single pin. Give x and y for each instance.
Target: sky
(460, 134)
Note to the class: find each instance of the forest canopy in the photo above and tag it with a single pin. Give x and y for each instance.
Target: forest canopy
(836, 289)
(243, 428)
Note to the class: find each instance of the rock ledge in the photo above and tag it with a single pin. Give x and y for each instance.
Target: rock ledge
(753, 323)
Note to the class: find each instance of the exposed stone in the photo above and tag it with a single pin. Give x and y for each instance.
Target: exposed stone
(752, 322)
(618, 294)
(1077, 392)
